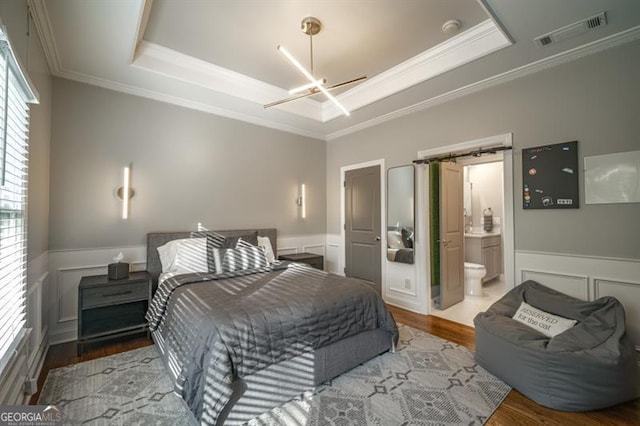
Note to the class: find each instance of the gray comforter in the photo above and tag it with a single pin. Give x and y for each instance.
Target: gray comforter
(222, 327)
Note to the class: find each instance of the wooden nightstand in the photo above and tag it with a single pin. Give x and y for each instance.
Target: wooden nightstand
(311, 259)
(112, 308)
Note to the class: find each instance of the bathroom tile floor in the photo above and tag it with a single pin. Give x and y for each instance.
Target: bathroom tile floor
(465, 311)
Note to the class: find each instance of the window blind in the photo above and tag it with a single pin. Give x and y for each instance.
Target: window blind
(15, 93)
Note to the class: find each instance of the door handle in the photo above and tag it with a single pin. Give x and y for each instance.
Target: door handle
(377, 238)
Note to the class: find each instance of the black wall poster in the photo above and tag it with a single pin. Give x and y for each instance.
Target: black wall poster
(550, 176)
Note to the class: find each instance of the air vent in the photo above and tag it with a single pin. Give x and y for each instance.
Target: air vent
(545, 40)
(572, 30)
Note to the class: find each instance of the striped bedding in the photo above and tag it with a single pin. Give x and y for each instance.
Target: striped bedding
(215, 328)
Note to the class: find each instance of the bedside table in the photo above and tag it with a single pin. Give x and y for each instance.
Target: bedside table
(311, 259)
(112, 308)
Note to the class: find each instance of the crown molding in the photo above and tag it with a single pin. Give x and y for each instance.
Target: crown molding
(481, 40)
(42, 23)
(614, 40)
(187, 103)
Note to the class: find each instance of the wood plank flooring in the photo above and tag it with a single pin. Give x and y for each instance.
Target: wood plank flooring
(515, 410)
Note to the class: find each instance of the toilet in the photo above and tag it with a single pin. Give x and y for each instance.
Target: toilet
(473, 274)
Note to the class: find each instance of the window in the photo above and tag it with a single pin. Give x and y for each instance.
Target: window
(15, 93)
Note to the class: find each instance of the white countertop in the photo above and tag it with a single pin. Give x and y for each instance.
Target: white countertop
(482, 234)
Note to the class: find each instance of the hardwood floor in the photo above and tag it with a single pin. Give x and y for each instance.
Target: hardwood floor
(65, 354)
(515, 410)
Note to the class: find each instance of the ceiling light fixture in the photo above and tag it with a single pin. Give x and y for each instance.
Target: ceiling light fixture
(307, 86)
(311, 26)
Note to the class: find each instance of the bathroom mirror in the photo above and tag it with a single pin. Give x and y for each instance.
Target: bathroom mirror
(400, 214)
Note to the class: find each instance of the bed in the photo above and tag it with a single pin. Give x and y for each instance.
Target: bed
(400, 244)
(239, 344)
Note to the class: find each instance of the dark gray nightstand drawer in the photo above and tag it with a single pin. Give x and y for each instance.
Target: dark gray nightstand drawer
(316, 262)
(311, 259)
(114, 294)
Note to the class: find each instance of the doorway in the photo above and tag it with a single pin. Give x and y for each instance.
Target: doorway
(483, 199)
(502, 271)
(361, 238)
(362, 226)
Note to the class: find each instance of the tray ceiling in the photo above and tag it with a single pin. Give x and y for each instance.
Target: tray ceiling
(221, 57)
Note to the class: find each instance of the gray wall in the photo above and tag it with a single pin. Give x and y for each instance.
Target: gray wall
(593, 100)
(30, 53)
(187, 167)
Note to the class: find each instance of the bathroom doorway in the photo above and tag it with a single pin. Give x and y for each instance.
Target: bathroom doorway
(483, 237)
(502, 216)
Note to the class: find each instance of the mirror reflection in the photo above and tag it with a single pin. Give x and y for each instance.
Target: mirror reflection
(400, 214)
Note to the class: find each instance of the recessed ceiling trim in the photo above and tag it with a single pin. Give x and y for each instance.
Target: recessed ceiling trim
(481, 40)
(143, 20)
(472, 44)
(44, 28)
(614, 40)
(171, 63)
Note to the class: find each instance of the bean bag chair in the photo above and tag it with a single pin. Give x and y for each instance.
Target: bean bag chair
(590, 366)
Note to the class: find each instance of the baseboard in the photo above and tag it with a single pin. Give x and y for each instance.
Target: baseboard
(36, 368)
(404, 306)
(63, 336)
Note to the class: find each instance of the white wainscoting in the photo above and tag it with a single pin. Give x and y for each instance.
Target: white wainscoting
(38, 285)
(573, 285)
(587, 278)
(310, 243)
(333, 259)
(30, 352)
(67, 267)
(400, 284)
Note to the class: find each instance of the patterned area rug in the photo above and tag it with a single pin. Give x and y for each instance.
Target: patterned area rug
(427, 381)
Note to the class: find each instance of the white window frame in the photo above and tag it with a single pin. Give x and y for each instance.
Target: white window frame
(16, 94)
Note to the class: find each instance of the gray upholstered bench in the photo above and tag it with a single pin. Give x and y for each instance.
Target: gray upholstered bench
(590, 366)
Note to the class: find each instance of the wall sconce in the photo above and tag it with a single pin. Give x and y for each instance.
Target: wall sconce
(301, 201)
(125, 192)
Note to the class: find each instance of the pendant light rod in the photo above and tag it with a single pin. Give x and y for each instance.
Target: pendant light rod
(307, 86)
(311, 52)
(313, 91)
(311, 79)
(311, 26)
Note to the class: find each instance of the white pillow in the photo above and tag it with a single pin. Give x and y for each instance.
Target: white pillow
(544, 322)
(394, 240)
(268, 248)
(184, 255)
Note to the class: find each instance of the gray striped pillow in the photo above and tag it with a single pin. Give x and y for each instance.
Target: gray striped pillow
(214, 240)
(244, 256)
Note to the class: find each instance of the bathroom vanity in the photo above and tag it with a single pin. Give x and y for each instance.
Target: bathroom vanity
(484, 248)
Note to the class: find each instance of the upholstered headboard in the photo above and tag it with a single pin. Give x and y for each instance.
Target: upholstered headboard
(157, 239)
